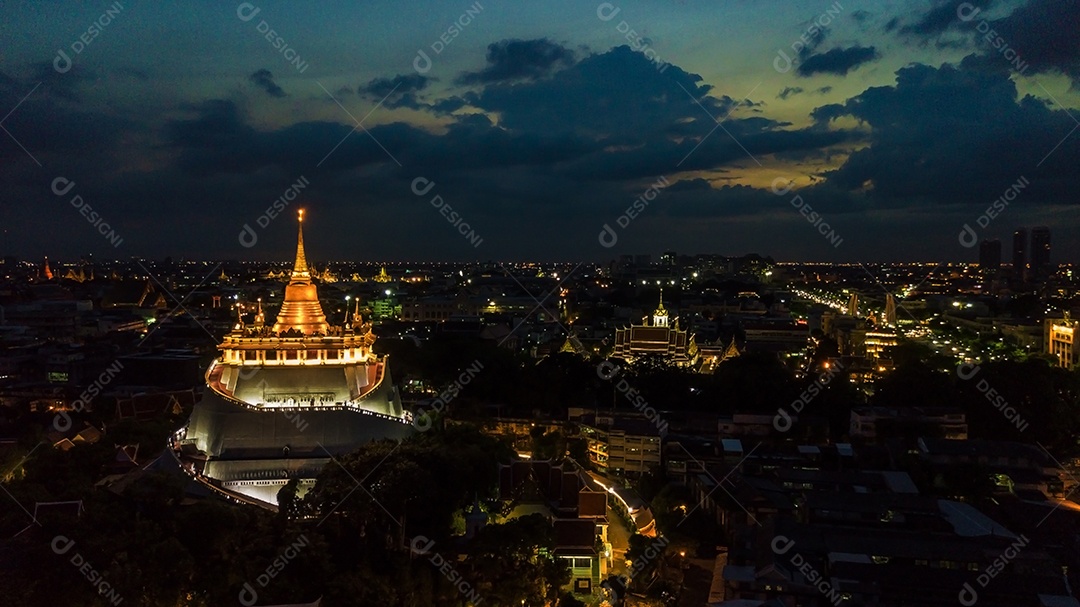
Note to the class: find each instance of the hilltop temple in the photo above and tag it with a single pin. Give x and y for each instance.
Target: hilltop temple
(661, 338)
(282, 399)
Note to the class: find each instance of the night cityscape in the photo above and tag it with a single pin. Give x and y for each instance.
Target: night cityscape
(618, 304)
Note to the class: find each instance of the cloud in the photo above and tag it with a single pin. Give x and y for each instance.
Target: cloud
(1041, 32)
(519, 59)
(788, 91)
(403, 91)
(838, 61)
(265, 80)
(1044, 34)
(939, 18)
(958, 134)
(401, 84)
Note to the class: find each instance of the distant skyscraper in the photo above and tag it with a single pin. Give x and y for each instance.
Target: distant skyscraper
(990, 255)
(853, 305)
(1019, 257)
(1040, 253)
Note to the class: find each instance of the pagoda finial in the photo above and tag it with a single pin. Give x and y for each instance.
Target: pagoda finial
(300, 267)
(660, 316)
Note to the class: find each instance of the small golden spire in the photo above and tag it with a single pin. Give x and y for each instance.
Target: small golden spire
(301, 310)
(300, 266)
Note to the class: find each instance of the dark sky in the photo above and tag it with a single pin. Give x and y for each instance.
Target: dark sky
(896, 122)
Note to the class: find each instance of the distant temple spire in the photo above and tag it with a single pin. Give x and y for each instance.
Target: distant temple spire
(660, 316)
(260, 318)
(47, 271)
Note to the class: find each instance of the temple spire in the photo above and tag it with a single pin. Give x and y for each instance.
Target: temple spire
(301, 311)
(300, 267)
(260, 318)
(660, 316)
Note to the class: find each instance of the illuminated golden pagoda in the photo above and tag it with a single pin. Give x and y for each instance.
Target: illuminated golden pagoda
(283, 399)
(301, 310)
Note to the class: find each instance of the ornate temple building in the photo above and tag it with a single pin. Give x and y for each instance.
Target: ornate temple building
(282, 399)
(661, 337)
